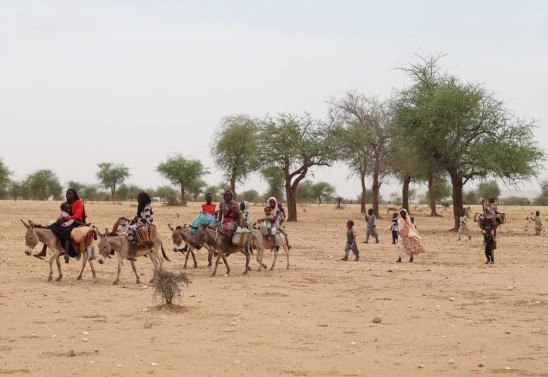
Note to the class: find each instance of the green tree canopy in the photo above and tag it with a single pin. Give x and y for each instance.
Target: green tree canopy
(487, 190)
(275, 179)
(43, 184)
(295, 144)
(4, 178)
(235, 148)
(468, 132)
(112, 175)
(323, 191)
(128, 192)
(167, 194)
(251, 196)
(182, 172)
(366, 122)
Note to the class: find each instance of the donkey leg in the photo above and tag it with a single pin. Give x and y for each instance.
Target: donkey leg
(119, 270)
(92, 269)
(194, 257)
(247, 258)
(286, 248)
(84, 261)
(226, 264)
(50, 276)
(275, 257)
(186, 258)
(217, 263)
(154, 258)
(138, 281)
(58, 262)
(209, 256)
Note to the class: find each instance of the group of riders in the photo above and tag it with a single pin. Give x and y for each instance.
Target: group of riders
(231, 216)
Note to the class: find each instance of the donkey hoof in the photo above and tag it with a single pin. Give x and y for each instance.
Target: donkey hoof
(138, 281)
(58, 279)
(115, 282)
(79, 277)
(50, 278)
(152, 280)
(265, 266)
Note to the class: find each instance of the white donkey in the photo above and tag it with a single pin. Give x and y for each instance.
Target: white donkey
(38, 233)
(120, 245)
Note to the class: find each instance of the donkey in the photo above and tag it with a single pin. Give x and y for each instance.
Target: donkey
(221, 243)
(120, 245)
(182, 234)
(269, 243)
(38, 233)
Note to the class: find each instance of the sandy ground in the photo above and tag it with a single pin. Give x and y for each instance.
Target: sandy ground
(445, 314)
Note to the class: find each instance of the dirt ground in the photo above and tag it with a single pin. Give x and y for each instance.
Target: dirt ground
(445, 314)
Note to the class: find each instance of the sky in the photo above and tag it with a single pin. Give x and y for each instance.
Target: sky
(134, 82)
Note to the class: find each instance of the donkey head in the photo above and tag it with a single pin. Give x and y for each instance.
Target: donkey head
(177, 237)
(31, 239)
(103, 246)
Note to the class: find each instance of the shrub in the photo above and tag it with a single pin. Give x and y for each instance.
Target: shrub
(166, 285)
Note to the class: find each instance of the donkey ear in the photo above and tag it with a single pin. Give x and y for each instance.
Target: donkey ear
(106, 232)
(25, 224)
(30, 223)
(170, 227)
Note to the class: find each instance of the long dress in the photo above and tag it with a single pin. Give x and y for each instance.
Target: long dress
(145, 217)
(77, 213)
(410, 243)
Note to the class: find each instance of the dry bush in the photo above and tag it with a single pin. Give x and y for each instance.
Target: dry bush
(166, 285)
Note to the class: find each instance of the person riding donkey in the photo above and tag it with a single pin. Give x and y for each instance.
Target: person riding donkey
(229, 215)
(278, 211)
(144, 216)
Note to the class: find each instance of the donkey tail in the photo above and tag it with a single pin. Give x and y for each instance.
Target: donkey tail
(164, 253)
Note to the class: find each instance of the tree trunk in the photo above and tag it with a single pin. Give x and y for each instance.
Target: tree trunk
(319, 199)
(233, 185)
(458, 207)
(376, 189)
(291, 196)
(405, 192)
(363, 197)
(431, 194)
(183, 198)
(113, 192)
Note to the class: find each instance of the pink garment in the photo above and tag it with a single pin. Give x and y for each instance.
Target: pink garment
(64, 215)
(406, 227)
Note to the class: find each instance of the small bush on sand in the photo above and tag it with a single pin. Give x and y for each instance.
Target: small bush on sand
(166, 285)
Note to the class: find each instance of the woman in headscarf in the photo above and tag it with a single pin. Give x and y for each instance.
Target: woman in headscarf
(77, 212)
(278, 211)
(410, 243)
(230, 214)
(246, 214)
(144, 216)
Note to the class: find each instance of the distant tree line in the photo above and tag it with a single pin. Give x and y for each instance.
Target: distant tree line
(439, 131)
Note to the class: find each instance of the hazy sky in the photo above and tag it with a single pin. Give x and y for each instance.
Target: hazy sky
(82, 82)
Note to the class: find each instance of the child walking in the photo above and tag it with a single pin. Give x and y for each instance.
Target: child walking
(538, 223)
(371, 226)
(351, 242)
(489, 242)
(394, 228)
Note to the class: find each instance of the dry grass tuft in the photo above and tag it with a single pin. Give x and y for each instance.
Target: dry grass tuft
(166, 285)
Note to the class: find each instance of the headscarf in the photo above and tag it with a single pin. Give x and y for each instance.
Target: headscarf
(230, 206)
(144, 200)
(275, 209)
(407, 222)
(75, 196)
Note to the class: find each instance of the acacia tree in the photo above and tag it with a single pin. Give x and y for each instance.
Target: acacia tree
(234, 148)
(112, 175)
(542, 199)
(274, 178)
(322, 190)
(470, 134)
(182, 172)
(4, 178)
(43, 184)
(373, 119)
(295, 144)
(489, 189)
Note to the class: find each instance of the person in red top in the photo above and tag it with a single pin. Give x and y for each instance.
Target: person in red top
(209, 207)
(78, 213)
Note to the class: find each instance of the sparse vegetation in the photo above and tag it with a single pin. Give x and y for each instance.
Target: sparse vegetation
(166, 285)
